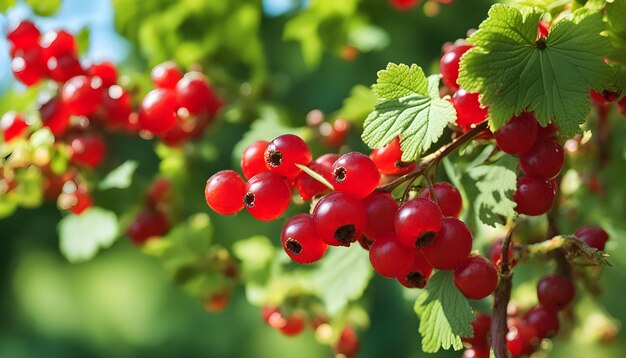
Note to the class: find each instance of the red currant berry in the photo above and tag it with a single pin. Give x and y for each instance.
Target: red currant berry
(267, 196)
(194, 93)
(388, 159)
(550, 131)
(544, 160)
(518, 135)
(284, 152)
(480, 326)
(451, 246)
(166, 75)
(348, 343)
(148, 224)
(545, 322)
(555, 292)
(417, 222)
(476, 278)
(55, 116)
(468, 108)
(339, 219)
(495, 254)
(106, 71)
(300, 240)
(534, 196)
(521, 338)
(22, 34)
(12, 125)
(29, 66)
(449, 65)
(334, 135)
(223, 192)
(294, 325)
(159, 192)
(622, 106)
(380, 212)
(448, 198)
(252, 160)
(217, 301)
(87, 149)
(390, 258)
(307, 186)
(272, 317)
(476, 352)
(365, 242)
(593, 236)
(117, 106)
(81, 95)
(418, 273)
(82, 201)
(158, 111)
(55, 43)
(355, 174)
(597, 98)
(63, 67)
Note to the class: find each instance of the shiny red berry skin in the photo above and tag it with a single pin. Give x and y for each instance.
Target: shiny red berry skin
(449, 65)
(550, 131)
(63, 67)
(300, 240)
(166, 75)
(272, 316)
(12, 125)
(294, 325)
(521, 338)
(380, 212)
(480, 326)
(417, 222)
(223, 192)
(388, 159)
(117, 106)
(555, 292)
(148, 224)
(545, 322)
(348, 343)
(194, 93)
(495, 254)
(267, 196)
(284, 152)
(418, 273)
(355, 174)
(544, 160)
(518, 135)
(29, 66)
(390, 258)
(55, 116)
(87, 149)
(106, 71)
(534, 196)
(158, 111)
(253, 160)
(404, 5)
(82, 201)
(448, 198)
(476, 277)
(55, 43)
(23, 34)
(593, 236)
(365, 242)
(339, 219)
(81, 95)
(451, 246)
(468, 108)
(307, 186)
(476, 352)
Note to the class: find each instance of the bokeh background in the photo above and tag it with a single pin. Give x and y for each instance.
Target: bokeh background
(121, 304)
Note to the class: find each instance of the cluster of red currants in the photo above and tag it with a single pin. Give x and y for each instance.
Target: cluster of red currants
(405, 5)
(152, 220)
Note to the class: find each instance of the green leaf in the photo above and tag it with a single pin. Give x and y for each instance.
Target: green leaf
(408, 106)
(358, 105)
(120, 177)
(315, 175)
(496, 185)
(342, 277)
(552, 78)
(81, 236)
(256, 251)
(6, 4)
(44, 7)
(616, 25)
(445, 314)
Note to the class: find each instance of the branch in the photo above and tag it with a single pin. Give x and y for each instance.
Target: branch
(570, 246)
(499, 326)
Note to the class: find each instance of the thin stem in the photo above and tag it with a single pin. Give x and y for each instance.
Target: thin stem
(499, 326)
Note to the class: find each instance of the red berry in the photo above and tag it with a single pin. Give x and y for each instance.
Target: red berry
(267, 196)
(252, 160)
(284, 152)
(390, 258)
(106, 71)
(449, 65)
(495, 254)
(518, 135)
(476, 278)
(355, 174)
(82, 202)
(404, 5)
(550, 131)
(468, 108)
(166, 75)
(476, 352)
(521, 338)
(63, 67)
(544, 160)
(543, 28)
(23, 34)
(307, 186)
(418, 273)
(194, 93)
(448, 198)
(55, 43)
(159, 191)
(28, 65)
(339, 219)
(300, 240)
(158, 111)
(417, 222)
(293, 325)
(81, 95)
(388, 159)
(55, 116)
(622, 106)
(451, 246)
(117, 106)
(334, 135)
(217, 301)
(380, 212)
(480, 326)
(87, 149)
(555, 292)
(534, 196)
(593, 236)
(348, 343)
(12, 125)
(146, 225)
(223, 192)
(545, 322)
